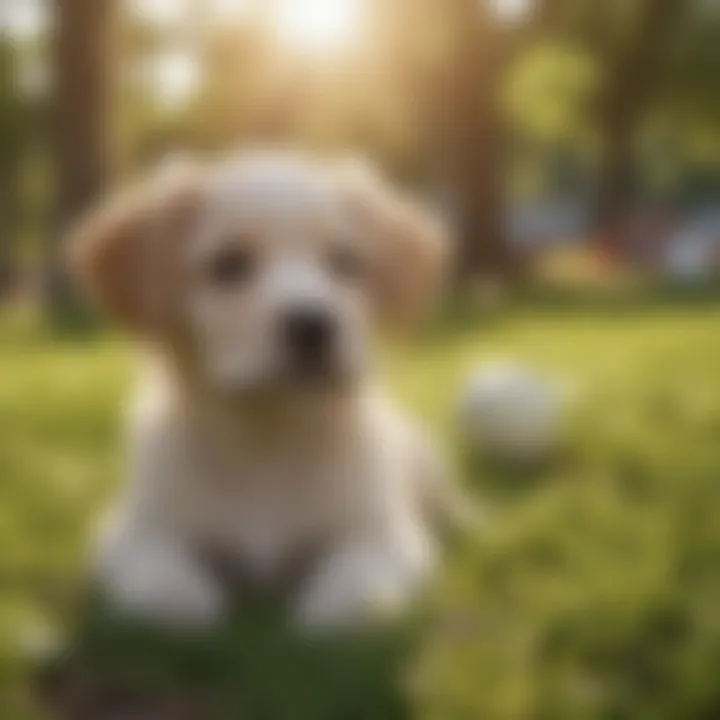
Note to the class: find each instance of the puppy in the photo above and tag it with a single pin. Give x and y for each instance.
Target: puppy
(255, 286)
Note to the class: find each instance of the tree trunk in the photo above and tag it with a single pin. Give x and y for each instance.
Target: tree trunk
(83, 53)
(474, 132)
(617, 171)
(11, 137)
(10, 199)
(625, 95)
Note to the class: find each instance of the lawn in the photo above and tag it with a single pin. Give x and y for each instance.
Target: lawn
(595, 592)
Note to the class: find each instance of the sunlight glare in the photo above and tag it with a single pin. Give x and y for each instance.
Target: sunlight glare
(175, 77)
(161, 12)
(513, 10)
(25, 20)
(317, 25)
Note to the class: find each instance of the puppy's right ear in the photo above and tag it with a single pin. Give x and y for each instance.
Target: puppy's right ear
(125, 253)
(411, 248)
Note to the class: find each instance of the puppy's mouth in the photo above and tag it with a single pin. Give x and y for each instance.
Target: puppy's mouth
(292, 380)
(325, 374)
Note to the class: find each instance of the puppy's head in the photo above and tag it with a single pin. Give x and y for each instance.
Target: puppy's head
(270, 271)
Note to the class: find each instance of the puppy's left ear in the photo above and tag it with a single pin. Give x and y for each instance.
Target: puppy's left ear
(126, 254)
(410, 246)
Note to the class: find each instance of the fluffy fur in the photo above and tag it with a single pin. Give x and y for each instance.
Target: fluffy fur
(234, 452)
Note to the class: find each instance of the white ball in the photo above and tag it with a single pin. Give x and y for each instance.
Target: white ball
(511, 412)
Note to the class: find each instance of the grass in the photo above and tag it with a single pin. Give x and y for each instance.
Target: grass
(596, 593)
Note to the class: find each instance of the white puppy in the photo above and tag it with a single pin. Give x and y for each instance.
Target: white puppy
(259, 434)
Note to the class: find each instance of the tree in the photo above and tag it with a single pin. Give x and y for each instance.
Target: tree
(453, 67)
(474, 132)
(628, 41)
(11, 141)
(83, 57)
(631, 73)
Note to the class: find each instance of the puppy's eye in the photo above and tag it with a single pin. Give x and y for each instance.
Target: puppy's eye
(232, 267)
(347, 263)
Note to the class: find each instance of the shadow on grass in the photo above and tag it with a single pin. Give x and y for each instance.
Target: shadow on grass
(502, 480)
(253, 668)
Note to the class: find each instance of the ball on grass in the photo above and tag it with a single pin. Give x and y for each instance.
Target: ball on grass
(512, 412)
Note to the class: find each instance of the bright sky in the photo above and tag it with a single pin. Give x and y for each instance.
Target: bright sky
(159, 11)
(306, 26)
(171, 11)
(311, 22)
(174, 75)
(22, 18)
(325, 20)
(318, 25)
(512, 10)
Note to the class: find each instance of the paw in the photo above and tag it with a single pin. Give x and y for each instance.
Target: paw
(327, 608)
(166, 589)
(359, 584)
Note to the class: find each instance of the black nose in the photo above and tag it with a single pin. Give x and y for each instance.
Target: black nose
(309, 335)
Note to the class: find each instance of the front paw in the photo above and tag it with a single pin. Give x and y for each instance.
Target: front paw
(324, 608)
(165, 588)
(361, 584)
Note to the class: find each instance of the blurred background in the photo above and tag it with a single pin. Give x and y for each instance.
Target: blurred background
(574, 146)
(533, 123)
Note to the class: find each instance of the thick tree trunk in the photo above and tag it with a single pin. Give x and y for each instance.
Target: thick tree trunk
(10, 200)
(627, 90)
(11, 136)
(474, 133)
(83, 55)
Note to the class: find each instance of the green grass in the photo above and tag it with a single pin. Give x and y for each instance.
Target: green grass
(596, 593)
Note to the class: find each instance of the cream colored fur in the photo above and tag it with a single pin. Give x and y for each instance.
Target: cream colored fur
(224, 457)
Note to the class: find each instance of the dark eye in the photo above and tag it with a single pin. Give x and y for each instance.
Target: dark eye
(347, 263)
(232, 267)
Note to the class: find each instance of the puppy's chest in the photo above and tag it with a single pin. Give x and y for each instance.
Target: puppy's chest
(265, 509)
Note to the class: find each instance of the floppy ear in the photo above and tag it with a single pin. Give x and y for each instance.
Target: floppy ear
(410, 246)
(125, 253)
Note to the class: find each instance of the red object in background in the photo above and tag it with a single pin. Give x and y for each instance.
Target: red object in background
(604, 249)
(640, 239)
